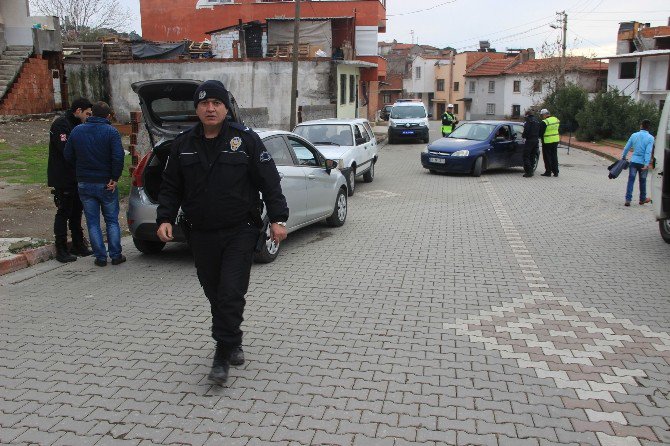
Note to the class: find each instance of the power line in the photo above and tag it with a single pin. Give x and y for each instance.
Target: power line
(421, 10)
(503, 30)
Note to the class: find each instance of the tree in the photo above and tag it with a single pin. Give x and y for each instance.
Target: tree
(83, 18)
(565, 103)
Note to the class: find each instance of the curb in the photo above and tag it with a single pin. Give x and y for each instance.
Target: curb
(27, 258)
(594, 151)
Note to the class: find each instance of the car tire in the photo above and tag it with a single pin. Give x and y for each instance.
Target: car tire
(391, 140)
(426, 139)
(369, 176)
(339, 215)
(664, 227)
(148, 246)
(433, 171)
(351, 181)
(270, 249)
(477, 169)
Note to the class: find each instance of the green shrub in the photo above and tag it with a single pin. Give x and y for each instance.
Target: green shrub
(565, 103)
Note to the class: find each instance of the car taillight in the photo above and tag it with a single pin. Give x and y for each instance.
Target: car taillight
(139, 170)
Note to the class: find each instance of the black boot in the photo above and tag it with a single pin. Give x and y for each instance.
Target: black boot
(79, 247)
(62, 254)
(237, 356)
(220, 365)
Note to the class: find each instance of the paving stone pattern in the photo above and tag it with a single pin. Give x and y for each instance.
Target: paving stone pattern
(447, 310)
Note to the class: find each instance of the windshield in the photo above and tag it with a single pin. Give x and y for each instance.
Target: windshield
(408, 112)
(474, 131)
(326, 134)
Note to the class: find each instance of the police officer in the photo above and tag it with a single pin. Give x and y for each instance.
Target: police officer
(550, 138)
(215, 172)
(449, 120)
(61, 176)
(531, 133)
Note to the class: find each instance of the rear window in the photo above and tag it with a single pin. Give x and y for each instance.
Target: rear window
(173, 110)
(408, 112)
(326, 134)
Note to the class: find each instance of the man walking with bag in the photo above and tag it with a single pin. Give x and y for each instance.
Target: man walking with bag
(642, 144)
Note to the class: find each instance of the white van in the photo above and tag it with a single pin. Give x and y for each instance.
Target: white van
(660, 178)
(408, 120)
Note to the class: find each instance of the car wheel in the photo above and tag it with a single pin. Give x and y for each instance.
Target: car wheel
(339, 215)
(148, 246)
(369, 176)
(391, 140)
(351, 179)
(477, 169)
(426, 140)
(664, 226)
(433, 171)
(270, 249)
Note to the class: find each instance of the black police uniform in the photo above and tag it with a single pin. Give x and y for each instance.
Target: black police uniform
(531, 133)
(61, 176)
(216, 183)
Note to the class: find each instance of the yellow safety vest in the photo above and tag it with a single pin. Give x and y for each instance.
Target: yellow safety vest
(449, 127)
(551, 133)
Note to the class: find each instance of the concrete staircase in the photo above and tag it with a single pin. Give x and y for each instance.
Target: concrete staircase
(11, 61)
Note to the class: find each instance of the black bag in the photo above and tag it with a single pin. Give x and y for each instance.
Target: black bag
(616, 168)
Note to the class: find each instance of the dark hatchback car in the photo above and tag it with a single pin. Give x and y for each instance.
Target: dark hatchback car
(475, 146)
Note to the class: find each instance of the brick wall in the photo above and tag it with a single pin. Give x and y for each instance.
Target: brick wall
(32, 92)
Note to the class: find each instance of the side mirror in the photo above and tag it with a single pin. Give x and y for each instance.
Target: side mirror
(330, 165)
(430, 115)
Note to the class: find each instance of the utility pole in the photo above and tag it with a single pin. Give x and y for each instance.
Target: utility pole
(294, 74)
(564, 19)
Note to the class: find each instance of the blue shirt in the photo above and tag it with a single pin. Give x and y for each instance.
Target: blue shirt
(643, 145)
(95, 151)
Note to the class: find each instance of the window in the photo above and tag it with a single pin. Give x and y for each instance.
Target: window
(627, 70)
(472, 87)
(279, 151)
(304, 155)
(361, 132)
(371, 134)
(352, 88)
(537, 86)
(492, 86)
(516, 111)
(386, 98)
(418, 72)
(517, 86)
(490, 109)
(518, 131)
(343, 89)
(455, 109)
(440, 85)
(457, 86)
(338, 134)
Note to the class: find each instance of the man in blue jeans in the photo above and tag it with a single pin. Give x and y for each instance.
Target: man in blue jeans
(94, 149)
(643, 146)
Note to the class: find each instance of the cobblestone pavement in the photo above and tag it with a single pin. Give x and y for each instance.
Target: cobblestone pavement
(448, 309)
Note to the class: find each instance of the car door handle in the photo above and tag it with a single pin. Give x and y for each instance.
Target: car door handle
(311, 176)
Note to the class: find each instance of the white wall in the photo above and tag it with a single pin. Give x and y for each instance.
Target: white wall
(254, 84)
(17, 22)
(481, 97)
(653, 77)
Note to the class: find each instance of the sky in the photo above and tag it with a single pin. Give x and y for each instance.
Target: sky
(592, 24)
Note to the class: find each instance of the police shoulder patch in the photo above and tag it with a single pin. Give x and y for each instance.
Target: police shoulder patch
(265, 156)
(238, 126)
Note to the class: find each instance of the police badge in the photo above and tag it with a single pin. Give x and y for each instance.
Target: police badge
(235, 143)
(202, 95)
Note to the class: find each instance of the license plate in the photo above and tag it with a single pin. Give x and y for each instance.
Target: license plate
(407, 132)
(437, 160)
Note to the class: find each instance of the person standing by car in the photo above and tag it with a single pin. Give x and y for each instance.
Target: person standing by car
(531, 133)
(95, 149)
(61, 177)
(642, 144)
(215, 172)
(550, 138)
(449, 120)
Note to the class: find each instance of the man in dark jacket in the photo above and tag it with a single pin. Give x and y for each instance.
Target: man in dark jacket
(95, 149)
(531, 133)
(62, 178)
(215, 172)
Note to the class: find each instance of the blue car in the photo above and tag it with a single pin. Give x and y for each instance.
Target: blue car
(475, 146)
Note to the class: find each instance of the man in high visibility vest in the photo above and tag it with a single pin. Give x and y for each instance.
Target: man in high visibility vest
(550, 138)
(449, 120)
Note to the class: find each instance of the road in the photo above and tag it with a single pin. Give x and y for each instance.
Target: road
(447, 310)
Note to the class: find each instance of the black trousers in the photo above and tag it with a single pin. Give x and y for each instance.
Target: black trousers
(223, 261)
(529, 151)
(550, 157)
(69, 213)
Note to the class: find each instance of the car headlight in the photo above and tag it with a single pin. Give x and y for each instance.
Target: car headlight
(461, 153)
(421, 124)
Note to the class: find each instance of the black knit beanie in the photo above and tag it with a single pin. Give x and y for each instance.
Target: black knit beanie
(211, 90)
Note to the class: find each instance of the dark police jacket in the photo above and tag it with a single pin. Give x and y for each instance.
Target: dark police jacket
(60, 174)
(531, 128)
(222, 194)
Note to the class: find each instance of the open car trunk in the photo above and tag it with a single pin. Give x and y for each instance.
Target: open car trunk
(167, 111)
